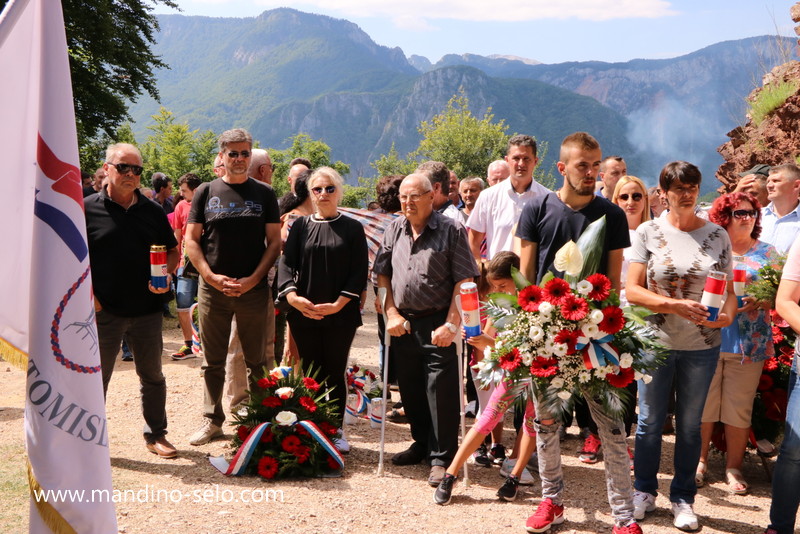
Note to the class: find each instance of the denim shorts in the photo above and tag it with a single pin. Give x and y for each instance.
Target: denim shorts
(186, 292)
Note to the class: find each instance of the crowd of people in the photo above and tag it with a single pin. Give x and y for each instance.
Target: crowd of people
(284, 280)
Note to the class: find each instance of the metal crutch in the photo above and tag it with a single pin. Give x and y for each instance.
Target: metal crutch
(460, 354)
(387, 341)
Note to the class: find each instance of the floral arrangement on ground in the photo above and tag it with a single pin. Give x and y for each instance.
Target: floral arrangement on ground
(569, 335)
(362, 386)
(287, 427)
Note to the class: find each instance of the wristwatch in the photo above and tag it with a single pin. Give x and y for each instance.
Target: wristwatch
(450, 326)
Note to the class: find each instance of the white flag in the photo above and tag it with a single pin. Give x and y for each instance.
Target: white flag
(46, 314)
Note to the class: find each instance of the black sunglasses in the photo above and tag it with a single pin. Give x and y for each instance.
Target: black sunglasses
(125, 168)
(744, 214)
(330, 189)
(234, 154)
(636, 197)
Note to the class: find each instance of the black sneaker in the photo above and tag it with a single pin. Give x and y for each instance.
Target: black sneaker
(508, 491)
(481, 456)
(444, 492)
(497, 453)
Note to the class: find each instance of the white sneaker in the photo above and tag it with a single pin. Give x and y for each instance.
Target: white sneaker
(206, 433)
(341, 443)
(685, 519)
(525, 479)
(643, 502)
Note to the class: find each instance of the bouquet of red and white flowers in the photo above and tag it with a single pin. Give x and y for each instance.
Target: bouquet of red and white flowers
(570, 335)
(287, 428)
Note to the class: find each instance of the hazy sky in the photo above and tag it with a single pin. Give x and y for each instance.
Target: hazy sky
(550, 31)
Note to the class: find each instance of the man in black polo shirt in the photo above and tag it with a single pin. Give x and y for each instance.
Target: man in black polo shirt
(121, 225)
(233, 239)
(423, 261)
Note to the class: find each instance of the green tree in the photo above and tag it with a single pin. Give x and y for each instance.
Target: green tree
(391, 163)
(460, 140)
(302, 146)
(174, 149)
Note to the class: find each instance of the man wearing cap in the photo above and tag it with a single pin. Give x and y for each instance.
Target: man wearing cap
(780, 219)
(755, 181)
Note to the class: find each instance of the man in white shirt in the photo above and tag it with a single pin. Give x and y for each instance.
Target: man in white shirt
(497, 209)
(780, 220)
(497, 172)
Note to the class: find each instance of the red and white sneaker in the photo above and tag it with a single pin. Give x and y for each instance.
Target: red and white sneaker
(546, 515)
(632, 528)
(591, 450)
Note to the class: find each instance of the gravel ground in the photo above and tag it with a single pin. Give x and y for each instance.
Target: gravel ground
(400, 501)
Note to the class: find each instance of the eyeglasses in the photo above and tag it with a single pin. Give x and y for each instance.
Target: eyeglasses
(744, 214)
(635, 196)
(234, 154)
(330, 189)
(125, 168)
(412, 198)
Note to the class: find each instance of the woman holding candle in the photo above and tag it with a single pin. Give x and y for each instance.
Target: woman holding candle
(671, 259)
(746, 343)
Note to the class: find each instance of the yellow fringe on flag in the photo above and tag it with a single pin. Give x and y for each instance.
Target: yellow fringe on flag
(47, 512)
(13, 355)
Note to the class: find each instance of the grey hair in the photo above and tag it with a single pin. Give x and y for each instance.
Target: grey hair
(116, 147)
(476, 179)
(236, 135)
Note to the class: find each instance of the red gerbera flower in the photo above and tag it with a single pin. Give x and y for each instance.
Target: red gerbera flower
(622, 378)
(267, 436)
(771, 364)
(243, 432)
(332, 463)
(266, 383)
(308, 403)
(544, 367)
(271, 402)
(268, 467)
(574, 308)
(555, 290)
(530, 298)
(765, 383)
(569, 337)
(290, 443)
(328, 429)
(311, 384)
(302, 452)
(613, 320)
(777, 335)
(300, 431)
(601, 286)
(511, 360)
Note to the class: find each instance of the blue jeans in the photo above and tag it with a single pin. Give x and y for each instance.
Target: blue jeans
(693, 371)
(786, 478)
(186, 292)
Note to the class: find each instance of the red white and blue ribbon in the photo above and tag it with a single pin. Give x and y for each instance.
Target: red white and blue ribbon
(597, 352)
(241, 459)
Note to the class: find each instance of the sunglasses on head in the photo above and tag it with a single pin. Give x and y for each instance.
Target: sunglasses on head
(744, 214)
(125, 168)
(625, 196)
(234, 154)
(330, 189)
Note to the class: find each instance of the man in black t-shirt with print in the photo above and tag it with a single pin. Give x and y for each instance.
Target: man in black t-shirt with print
(233, 239)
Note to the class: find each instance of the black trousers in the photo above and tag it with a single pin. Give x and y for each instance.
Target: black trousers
(327, 349)
(428, 379)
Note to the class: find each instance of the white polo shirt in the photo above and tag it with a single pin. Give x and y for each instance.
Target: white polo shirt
(496, 213)
(779, 232)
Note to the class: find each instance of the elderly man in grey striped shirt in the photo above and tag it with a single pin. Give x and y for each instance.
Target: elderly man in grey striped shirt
(423, 261)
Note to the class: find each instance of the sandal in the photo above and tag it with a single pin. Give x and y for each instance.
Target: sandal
(700, 474)
(736, 482)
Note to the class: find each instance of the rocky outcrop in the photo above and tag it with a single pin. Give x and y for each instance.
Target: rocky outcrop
(773, 141)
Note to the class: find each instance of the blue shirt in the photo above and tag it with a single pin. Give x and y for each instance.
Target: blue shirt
(780, 232)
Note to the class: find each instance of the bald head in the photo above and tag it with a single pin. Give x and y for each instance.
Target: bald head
(294, 172)
(260, 166)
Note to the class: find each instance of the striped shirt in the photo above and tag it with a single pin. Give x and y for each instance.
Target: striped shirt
(424, 272)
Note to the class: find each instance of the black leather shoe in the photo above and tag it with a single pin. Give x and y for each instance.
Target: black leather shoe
(410, 456)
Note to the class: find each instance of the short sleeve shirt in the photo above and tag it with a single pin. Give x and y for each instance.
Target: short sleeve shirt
(234, 219)
(550, 223)
(424, 271)
(678, 263)
(780, 232)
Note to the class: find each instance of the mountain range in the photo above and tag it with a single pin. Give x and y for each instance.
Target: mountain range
(286, 72)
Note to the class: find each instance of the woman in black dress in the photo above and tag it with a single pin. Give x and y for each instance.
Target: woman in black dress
(323, 273)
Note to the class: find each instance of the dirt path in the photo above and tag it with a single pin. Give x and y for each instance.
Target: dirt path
(401, 501)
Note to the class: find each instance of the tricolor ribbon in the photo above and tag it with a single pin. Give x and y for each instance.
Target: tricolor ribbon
(597, 352)
(362, 402)
(241, 459)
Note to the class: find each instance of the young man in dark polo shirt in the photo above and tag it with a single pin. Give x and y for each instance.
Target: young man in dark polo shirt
(121, 225)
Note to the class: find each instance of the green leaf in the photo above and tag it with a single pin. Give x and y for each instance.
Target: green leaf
(591, 245)
(519, 279)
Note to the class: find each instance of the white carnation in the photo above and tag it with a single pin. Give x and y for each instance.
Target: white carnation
(625, 360)
(545, 308)
(536, 333)
(595, 317)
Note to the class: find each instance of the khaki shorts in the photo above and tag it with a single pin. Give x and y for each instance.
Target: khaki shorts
(733, 388)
